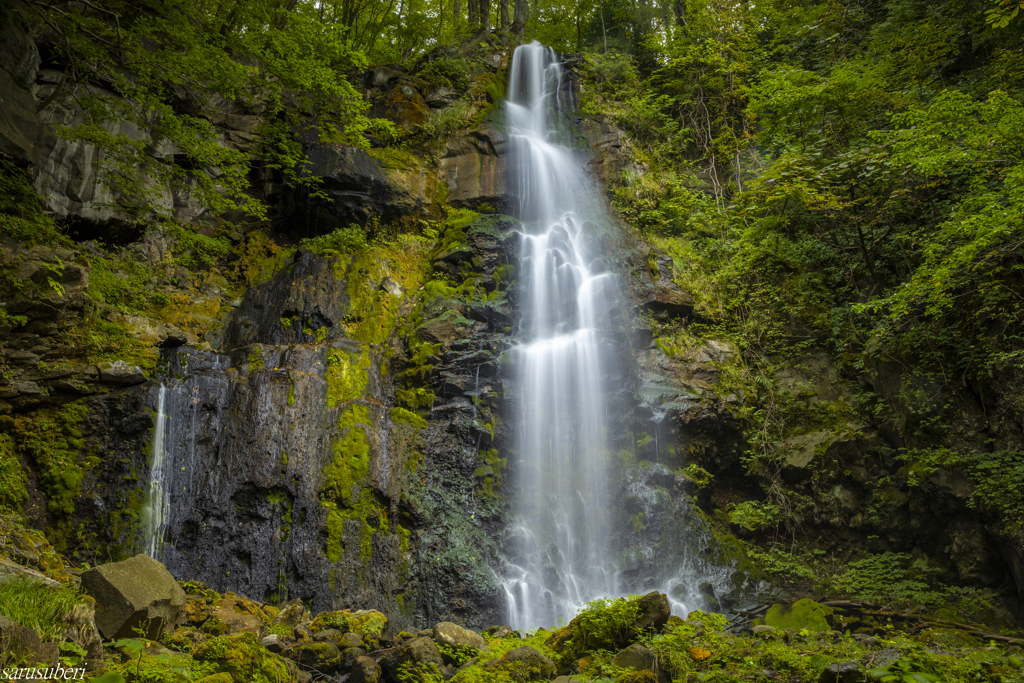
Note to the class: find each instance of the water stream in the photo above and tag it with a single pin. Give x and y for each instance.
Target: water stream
(156, 507)
(560, 556)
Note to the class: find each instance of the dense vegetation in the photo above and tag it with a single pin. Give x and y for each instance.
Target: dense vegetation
(830, 178)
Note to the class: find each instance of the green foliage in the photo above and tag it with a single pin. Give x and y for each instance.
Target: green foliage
(601, 624)
(882, 577)
(150, 54)
(347, 240)
(911, 670)
(121, 282)
(444, 123)
(52, 441)
(753, 515)
(21, 211)
(13, 483)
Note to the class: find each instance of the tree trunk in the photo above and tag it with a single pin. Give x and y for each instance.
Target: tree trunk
(503, 4)
(485, 17)
(679, 9)
(457, 15)
(473, 6)
(521, 14)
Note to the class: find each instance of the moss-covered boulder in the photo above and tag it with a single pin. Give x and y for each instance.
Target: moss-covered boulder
(324, 657)
(452, 634)
(362, 622)
(416, 653)
(802, 615)
(245, 659)
(241, 615)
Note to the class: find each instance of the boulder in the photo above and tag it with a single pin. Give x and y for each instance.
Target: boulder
(232, 613)
(292, 614)
(363, 622)
(349, 655)
(842, 672)
(801, 615)
(529, 663)
(500, 631)
(138, 592)
(453, 634)
(419, 650)
(445, 328)
(274, 643)
(640, 658)
(121, 374)
(351, 640)
(364, 670)
(654, 611)
(23, 642)
(245, 659)
(324, 657)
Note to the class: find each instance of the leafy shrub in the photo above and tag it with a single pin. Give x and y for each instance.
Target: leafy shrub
(451, 71)
(446, 122)
(348, 240)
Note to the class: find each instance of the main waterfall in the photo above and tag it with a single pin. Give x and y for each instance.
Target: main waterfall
(560, 555)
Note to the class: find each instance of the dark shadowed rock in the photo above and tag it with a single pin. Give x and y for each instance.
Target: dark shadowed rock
(641, 658)
(364, 670)
(419, 650)
(842, 672)
(654, 611)
(23, 642)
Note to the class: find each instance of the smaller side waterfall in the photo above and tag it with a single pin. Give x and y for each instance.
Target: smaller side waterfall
(157, 503)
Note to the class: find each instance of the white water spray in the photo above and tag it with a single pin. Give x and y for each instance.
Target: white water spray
(157, 503)
(559, 555)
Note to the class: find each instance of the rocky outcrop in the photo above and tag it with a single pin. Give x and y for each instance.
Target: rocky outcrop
(474, 167)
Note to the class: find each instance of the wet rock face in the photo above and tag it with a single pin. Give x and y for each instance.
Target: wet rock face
(288, 475)
(474, 167)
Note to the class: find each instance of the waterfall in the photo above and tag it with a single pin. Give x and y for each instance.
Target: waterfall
(559, 553)
(157, 505)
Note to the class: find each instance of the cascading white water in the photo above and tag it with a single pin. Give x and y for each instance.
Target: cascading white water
(157, 503)
(560, 555)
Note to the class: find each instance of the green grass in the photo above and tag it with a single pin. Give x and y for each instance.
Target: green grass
(47, 610)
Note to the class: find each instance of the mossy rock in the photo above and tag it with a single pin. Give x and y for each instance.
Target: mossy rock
(244, 658)
(222, 677)
(362, 622)
(323, 657)
(802, 615)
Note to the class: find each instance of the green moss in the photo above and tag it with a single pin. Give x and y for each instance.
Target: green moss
(245, 659)
(371, 517)
(373, 311)
(489, 471)
(347, 375)
(802, 615)
(255, 359)
(362, 622)
(408, 417)
(291, 394)
(13, 491)
(51, 439)
(351, 457)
